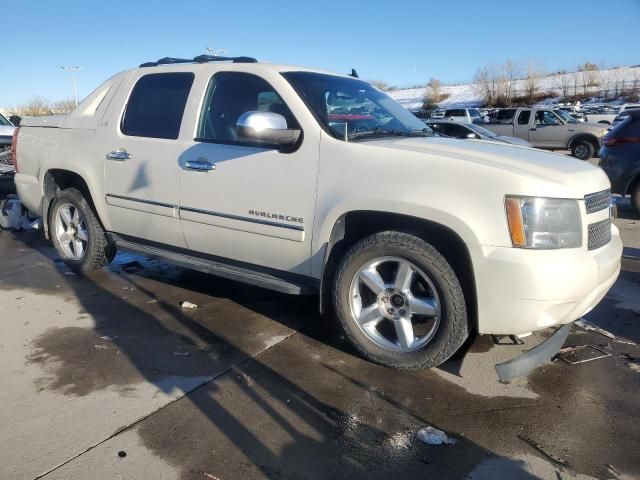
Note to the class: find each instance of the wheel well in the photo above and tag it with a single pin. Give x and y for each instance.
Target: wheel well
(589, 138)
(56, 180)
(632, 185)
(354, 226)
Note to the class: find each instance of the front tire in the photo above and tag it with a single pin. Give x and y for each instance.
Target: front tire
(77, 234)
(399, 302)
(583, 150)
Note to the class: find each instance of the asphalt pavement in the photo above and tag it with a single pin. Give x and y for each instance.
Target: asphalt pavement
(105, 376)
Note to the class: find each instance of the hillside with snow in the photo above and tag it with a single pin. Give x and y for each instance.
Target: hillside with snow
(614, 81)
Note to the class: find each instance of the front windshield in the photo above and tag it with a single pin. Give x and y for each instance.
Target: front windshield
(350, 109)
(474, 112)
(481, 131)
(4, 122)
(565, 116)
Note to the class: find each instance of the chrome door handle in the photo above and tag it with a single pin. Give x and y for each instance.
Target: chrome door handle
(200, 165)
(119, 155)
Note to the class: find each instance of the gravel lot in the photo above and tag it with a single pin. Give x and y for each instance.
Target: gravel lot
(106, 377)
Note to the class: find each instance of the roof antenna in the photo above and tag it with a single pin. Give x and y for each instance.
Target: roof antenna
(353, 73)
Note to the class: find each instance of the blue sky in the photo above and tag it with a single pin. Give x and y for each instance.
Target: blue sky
(403, 42)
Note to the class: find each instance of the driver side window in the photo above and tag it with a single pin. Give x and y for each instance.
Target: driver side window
(545, 117)
(230, 95)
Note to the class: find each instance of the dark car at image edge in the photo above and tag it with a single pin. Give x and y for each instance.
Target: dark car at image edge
(620, 158)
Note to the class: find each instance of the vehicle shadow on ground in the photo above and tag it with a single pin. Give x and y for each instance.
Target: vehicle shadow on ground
(129, 344)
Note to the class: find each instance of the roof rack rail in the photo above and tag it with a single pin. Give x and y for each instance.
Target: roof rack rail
(198, 59)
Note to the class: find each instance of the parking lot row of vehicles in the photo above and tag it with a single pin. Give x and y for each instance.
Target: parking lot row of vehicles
(546, 128)
(308, 182)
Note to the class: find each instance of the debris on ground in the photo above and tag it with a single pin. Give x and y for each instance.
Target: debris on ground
(209, 476)
(244, 378)
(14, 216)
(634, 363)
(188, 305)
(581, 354)
(433, 436)
(101, 347)
(122, 454)
(153, 300)
(539, 449)
(610, 467)
(182, 354)
(585, 325)
(132, 266)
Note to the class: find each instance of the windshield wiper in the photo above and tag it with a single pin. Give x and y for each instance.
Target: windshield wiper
(381, 132)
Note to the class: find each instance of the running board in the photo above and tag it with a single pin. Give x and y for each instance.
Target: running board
(244, 274)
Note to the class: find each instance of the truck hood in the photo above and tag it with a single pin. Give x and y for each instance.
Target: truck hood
(595, 128)
(575, 178)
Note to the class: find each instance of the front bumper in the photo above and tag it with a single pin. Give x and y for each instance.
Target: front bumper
(535, 357)
(521, 291)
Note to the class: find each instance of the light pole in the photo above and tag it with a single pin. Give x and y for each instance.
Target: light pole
(215, 51)
(73, 69)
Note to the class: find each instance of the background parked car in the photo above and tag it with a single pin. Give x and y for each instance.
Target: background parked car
(624, 114)
(472, 131)
(600, 114)
(576, 114)
(546, 128)
(463, 115)
(620, 157)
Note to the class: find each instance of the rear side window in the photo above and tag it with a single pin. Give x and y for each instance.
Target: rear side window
(505, 116)
(455, 113)
(156, 105)
(524, 117)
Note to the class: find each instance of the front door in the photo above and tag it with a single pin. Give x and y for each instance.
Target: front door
(548, 131)
(238, 199)
(142, 151)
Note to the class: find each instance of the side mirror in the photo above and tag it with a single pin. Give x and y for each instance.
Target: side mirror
(266, 127)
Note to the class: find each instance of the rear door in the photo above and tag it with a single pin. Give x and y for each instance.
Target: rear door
(142, 148)
(522, 125)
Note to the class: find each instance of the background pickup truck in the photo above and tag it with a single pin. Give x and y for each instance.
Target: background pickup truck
(545, 128)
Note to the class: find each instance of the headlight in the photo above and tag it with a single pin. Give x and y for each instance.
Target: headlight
(544, 222)
(603, 132)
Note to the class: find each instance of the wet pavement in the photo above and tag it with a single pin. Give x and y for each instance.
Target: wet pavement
(105, 376)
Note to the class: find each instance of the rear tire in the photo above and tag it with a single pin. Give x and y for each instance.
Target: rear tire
(583, 150)
(77, 234)
(412, 336)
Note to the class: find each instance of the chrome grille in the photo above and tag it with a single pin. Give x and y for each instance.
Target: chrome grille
(594, 202)
(599, 234)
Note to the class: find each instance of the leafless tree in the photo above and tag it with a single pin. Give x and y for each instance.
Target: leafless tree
(532, 80)
(564, 83)
(36, 106)
(510, 74)
(433, 95)
(589, 75)
(486, 82)
(380, 85)
(63, 107)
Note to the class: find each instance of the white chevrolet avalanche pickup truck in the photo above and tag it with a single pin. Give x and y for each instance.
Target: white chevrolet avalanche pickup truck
(304, 181)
